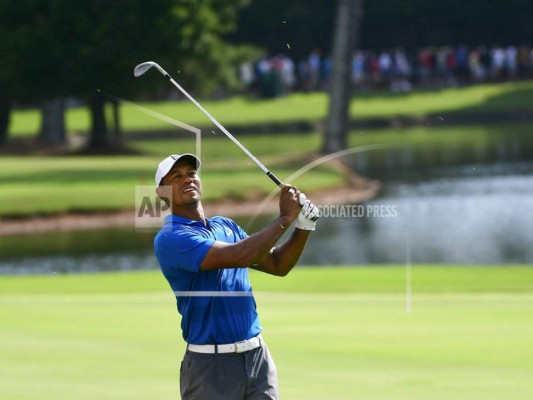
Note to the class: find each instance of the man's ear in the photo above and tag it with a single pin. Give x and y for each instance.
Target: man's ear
(164, 193)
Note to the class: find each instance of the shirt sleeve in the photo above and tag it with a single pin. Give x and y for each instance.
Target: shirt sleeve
(236, 228)
(181, 250)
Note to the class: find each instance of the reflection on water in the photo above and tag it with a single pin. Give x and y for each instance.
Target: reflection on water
(469, 215)
(475, 218)
(80, 263)
(420, 153)
(88, 251)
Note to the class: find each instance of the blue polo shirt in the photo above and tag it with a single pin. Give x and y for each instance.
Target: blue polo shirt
(217, 306)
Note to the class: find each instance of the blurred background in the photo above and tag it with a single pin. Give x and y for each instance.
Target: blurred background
(443, 91)
(422, 110)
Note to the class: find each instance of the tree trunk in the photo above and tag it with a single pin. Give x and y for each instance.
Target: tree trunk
(53, 122)
(344, 43)
(98, 136)
(5, 109)
(117, 132)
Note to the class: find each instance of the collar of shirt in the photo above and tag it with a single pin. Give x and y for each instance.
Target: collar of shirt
(176, 219)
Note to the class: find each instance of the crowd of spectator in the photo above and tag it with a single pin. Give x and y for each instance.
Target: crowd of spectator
(394, 69)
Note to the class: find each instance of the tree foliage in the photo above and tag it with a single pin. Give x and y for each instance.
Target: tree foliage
(59, 48)
(306, 24)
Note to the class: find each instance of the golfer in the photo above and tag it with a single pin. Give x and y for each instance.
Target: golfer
(205, 260)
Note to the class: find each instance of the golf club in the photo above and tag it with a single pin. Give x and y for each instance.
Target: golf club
(145, 66)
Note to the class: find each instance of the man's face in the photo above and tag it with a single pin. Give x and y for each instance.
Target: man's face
(185, 183)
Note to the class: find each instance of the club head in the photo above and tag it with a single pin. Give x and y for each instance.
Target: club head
(142, 68)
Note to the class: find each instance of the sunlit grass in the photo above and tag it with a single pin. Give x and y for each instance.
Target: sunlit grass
(52, 184)
(55, 184)
(241, 111)
(335, 333)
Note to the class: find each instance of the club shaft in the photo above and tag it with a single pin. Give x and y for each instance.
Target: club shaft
(229, 135)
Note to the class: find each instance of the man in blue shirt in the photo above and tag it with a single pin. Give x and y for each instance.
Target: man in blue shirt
(205, 260)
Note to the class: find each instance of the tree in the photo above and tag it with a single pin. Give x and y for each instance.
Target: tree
(11, 27)
(52, 130)
(183, 33)
(74, 48)
(345, 39)
(292, 27)
(308, 24)
(28, 50)
(5, 109)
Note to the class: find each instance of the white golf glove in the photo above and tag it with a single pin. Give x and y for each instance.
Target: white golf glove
(308, 215)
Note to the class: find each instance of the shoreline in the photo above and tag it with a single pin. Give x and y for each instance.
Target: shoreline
(357, 190)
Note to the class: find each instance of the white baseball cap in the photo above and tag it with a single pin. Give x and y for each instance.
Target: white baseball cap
(166, 165)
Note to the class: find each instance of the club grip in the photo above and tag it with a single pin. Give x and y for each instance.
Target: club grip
(274, 179)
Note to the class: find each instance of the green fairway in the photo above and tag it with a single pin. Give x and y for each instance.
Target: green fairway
(56, 184)
(335, 333)
(239, 111)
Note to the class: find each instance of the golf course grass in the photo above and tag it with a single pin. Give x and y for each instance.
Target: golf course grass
(242, 111)
(335, 333)
(57, 184)
(43, 185)
(39, 185)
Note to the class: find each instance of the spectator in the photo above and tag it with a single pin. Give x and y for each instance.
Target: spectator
(451, 67)
(510, 61)
(477, 71)
(497, 62)
(358, 69)
(396, 69)
(314, 70)
(372, 66)
(425, 66)
(440, 65)
(485, 60)
(288, 76)
(463, 70)
(325, 73)
(523, 60)
(247, 75)
(401, 72)
(385, 66)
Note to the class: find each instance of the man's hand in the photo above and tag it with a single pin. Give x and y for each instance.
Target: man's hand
(308, 215)
(289, 205)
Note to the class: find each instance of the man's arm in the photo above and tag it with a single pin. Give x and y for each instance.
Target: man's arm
(280, 260)
(246, 252)
(255, 248)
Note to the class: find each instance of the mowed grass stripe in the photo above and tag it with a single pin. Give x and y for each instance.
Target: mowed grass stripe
(323, 279)
(115, 336)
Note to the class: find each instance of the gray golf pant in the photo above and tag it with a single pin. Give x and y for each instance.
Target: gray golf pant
(229, 376)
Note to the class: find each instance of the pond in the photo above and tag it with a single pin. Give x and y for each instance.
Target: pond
(439, 205)
(473, 214)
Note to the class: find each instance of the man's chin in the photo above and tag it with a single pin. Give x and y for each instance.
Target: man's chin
(192, 201)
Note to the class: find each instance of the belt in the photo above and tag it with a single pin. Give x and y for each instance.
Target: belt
(237, 347)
